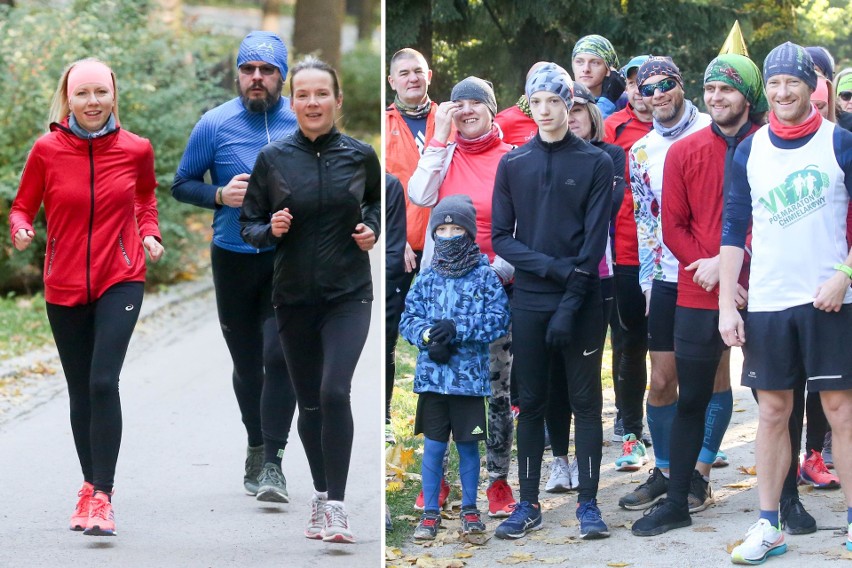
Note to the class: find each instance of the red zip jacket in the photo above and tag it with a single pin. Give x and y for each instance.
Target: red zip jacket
(692, 207)
(624, 128)
(99, 203)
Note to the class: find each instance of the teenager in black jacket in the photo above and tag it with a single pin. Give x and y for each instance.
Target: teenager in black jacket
(316, 196)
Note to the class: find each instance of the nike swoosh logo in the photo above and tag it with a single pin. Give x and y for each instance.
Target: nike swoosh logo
(587, 353)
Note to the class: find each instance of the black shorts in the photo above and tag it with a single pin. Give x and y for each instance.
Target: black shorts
(440, 414)
(696, 334)
(661, 316)
(784, 349)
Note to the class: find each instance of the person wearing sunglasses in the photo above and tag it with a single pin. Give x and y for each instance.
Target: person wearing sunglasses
(661, 86)
(225, 143)
(843, 90)
(791, 182)
(693, 180)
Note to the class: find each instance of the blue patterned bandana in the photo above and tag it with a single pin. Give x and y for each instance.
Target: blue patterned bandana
(266, 47)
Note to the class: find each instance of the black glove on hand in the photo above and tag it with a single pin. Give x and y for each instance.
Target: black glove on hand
(580, 282)
(443, 331)
(560, 327)
(613, 86)
(439, 353)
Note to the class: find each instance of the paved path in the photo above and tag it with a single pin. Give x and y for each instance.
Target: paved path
(179, 500)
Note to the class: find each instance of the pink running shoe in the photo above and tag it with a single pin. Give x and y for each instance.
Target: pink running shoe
(814, 472)
(501, 502)
(101, 518)
(80, 518)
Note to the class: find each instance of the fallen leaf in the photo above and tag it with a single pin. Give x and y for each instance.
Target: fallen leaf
(463, 555)
(748, 470)
(477, 539)
(552, 560)
(617, 564)
(730, 548)
(517, 558)
(392, 553)
(705, 528)
(739, 410)
(394, 486)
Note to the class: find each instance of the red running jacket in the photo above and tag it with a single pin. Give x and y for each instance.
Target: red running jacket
(99, 202)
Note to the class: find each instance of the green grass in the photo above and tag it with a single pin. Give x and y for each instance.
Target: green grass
(23, 325)
(403, 409)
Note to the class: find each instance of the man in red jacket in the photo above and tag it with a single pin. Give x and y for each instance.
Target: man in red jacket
(695, 189)
(630, 336)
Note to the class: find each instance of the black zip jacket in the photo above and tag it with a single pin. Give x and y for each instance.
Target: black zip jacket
(329, 185)
(551, 209)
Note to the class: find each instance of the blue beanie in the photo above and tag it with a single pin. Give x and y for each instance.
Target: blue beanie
(790, 59)
(553, 79)
(822, 59)
(266, 47)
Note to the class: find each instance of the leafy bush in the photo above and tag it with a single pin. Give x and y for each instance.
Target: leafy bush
(360, 77)
(166, 79)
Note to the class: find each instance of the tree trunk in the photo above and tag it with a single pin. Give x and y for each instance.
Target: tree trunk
(365, 19)
(316, 29)
(271, 15)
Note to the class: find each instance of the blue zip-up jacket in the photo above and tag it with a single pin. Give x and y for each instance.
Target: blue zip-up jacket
(478, 306)
(226, 142)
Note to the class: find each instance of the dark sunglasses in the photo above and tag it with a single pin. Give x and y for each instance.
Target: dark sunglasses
(846, 96)
(264, 69)
(665, 86)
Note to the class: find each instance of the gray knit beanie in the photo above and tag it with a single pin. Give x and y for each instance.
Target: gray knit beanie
(475, 89)
(454, 209)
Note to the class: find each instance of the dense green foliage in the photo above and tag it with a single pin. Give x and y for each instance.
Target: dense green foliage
(165, 80)
(361, 78)
(499, 39)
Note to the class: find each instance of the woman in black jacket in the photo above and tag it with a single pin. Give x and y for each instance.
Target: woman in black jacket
(316, 196)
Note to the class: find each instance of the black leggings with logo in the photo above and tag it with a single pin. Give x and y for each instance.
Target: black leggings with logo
(92, 342)
(322, 345)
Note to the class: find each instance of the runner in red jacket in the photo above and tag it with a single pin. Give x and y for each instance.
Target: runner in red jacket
(97, 184)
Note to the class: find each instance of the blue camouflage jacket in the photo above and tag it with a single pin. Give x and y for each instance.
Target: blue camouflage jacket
(478, 306)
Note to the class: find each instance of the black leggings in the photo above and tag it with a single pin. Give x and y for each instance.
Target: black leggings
(92, 342)
(394, 306)
(579, 366)
(632, 373)
(322, 344)
(264, 392)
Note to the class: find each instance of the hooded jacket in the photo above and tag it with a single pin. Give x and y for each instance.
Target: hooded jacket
(99, 202)
(329, 185)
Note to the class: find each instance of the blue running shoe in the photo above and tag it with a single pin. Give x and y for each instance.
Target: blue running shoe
(524, 518)
(591, 523)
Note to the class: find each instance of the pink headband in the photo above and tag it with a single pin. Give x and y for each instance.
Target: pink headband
(89, 72)
(821, 92)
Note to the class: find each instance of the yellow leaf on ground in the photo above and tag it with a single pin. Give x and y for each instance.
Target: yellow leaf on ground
(741, 485)
(392, 553)
(517, 558)
(748, 470)
(705, 528)
(617, 564)
(463, 555)
(394, 486)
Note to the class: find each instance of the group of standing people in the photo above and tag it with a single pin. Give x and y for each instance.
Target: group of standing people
(297, 207)
(537, 191)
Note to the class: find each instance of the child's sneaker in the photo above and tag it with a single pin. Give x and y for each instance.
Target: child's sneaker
(317, 521)
(500, 499)
(336, 524)
(419, 503)
(80, 518)
(428, 527)
(633, 454)
(471, 521)
(101, 517)
(762, 541)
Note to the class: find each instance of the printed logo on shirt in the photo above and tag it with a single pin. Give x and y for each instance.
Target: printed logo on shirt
(128, 308)
(570, 181)
(800, 195)
(476, 431)
(420, 140)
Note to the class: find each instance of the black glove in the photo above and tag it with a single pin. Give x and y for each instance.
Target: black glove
(581, 282)
(443, 331)
(613, 86)
(439, 353)
(560, 327)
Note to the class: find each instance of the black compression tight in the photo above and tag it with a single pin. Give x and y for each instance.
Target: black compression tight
(322, 345)
(264, 392)
(92, 342)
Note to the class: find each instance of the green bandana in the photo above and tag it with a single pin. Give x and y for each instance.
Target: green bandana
(524, 105)
(741, 73)
(598, 46)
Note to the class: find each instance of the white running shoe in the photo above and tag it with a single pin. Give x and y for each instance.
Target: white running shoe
(317, 520)
(762, 541)
(336, 524)
(560, 478)
(574, 474)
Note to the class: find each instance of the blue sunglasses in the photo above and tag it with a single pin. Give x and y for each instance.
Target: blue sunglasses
(665, 86)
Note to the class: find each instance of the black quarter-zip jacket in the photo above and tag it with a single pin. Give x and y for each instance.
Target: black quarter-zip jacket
(329, 185)
(551, 206)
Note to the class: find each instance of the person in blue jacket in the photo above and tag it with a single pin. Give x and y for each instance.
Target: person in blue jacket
(455, 309)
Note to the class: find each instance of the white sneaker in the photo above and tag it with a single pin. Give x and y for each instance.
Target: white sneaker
(574, 474)
(336, 524)
(560, 478)
(762, 541)
(317, 520)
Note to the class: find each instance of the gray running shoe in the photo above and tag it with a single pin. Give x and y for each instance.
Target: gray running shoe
(428, 527)
(700, 494)
(272, 487)
(654, 489)
(618, 431)
(254, 465)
